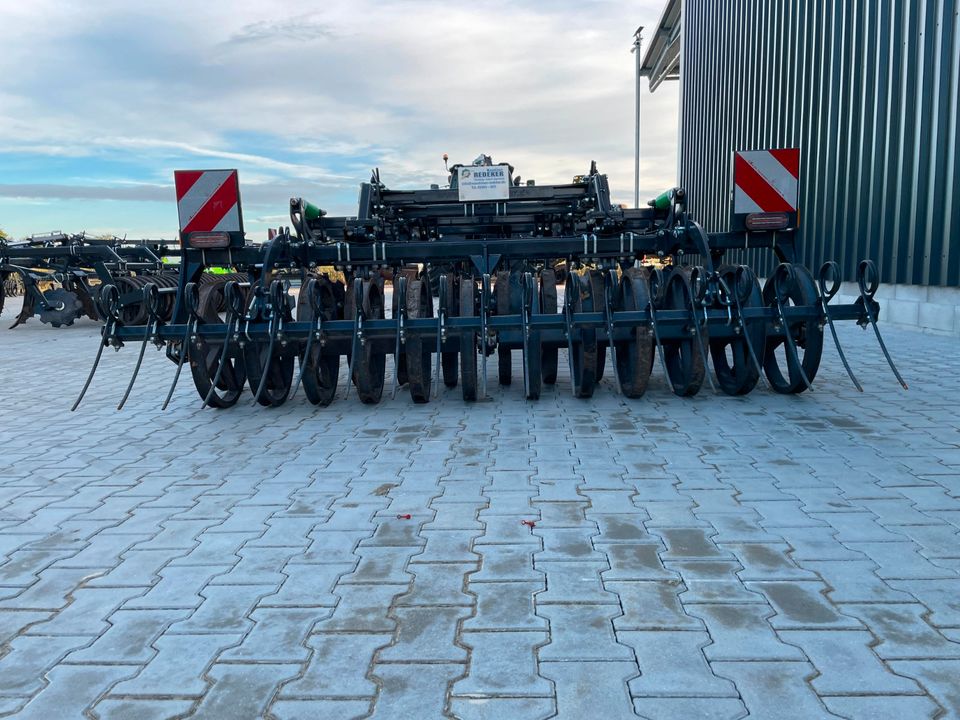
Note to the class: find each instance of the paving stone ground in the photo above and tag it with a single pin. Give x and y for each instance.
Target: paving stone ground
(714, 557)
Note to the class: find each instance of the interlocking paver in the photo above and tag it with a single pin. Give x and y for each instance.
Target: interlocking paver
(582, 632)
(788, 680)
(672, 664)
(503, 663)
(591, 689)
(241, 554)
(903, 632)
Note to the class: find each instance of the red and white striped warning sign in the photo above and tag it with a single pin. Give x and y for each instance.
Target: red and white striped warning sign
(766, 181)
(208, 200)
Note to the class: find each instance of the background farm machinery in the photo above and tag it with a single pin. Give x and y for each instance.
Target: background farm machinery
(362, 293)
(60, 275)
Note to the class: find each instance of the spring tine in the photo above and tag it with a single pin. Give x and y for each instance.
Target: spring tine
(829, 272)
(441, 317)
(150, 300)
(400, 288)
(654, 297)
(108, 302)
(275, 320)
(743, 326)
(317, 325)
(610, 282)
(357, 328)
(93, 370)
(571, 287)
(191, 296)
(699, 296)
(868, 282)
(484, 305)
(526, 297)
(788, 336)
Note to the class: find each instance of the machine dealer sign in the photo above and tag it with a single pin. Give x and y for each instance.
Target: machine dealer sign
(484, 182)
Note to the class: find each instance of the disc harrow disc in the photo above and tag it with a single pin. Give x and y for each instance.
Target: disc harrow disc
(65, 307)
(733, 365)
(548, 306)
(449, 358)
(205, 357)
(635, 356)
(467, 307)
(369, 367)
(584, 359)
(683, 359)
(322, 368)
(807, 335)
(504, 293)
(597, 290)
(419, 351)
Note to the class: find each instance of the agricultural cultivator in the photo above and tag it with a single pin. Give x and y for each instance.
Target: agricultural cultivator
(445, 279)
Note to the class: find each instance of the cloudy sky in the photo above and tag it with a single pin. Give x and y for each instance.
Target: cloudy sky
(101, 100)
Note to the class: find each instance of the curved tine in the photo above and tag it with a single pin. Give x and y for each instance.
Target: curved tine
(657, 289)
(610, 282)
(828, 280)
(313, 301)
(484, 309)
(442, 301)
(698, 295)
(744, 277)
(783, 277)
(276, 300)
(400, 289)
(868, 280)
(110, 297)
(526, 308)
(571, 288)
(725, 297)
(151, 301)
(357, 325)
(192, 299)
(235, 310)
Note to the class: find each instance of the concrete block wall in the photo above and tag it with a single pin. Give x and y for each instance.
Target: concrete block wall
(935, 310)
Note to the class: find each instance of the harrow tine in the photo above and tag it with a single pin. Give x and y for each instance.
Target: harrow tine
(151, 301)
(484, 309)
(785, 273)
(400, 289)
(235, 310)
(313, 298)
(868, 280)
(109, 301)
(741, 293)
(526, 301)
(357, 328)
(700, 295)
(611, 282)
(657, 287)
(274, 300)
(571, 288)
(829, 281)
(441, 320)
(192, 296)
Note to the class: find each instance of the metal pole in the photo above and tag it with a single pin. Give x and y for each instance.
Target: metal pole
(636, 50)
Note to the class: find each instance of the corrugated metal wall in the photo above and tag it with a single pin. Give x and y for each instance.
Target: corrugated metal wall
(868, 89)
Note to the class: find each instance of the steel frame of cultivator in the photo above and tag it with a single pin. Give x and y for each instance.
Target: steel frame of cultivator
(497, 295)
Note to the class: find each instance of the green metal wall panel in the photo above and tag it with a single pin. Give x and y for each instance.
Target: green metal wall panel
(868, 89)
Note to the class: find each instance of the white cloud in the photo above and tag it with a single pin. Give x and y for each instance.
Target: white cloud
(301, 94)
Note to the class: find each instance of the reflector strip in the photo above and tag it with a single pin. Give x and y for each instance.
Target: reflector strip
(766, 181)
(208, 200)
